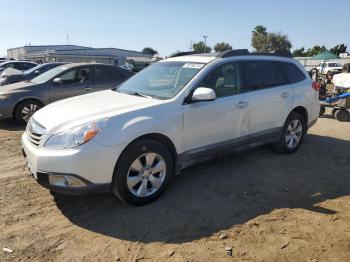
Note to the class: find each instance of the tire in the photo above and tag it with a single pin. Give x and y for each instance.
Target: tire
(342, 115)
(26, 109)
(334, 111)
(293, 129)
(135, 181)
(322, 110)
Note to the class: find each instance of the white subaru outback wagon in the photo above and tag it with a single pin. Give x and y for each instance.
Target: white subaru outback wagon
(133, 139)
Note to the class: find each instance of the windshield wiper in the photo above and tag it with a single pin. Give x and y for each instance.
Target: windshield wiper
(135, 94)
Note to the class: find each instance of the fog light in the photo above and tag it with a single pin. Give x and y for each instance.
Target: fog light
(65, 181)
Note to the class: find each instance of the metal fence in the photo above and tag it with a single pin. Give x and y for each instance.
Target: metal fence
(309, 62)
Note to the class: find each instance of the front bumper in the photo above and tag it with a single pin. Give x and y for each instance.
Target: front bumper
(90, 163)
(90, 188)
(6, 109)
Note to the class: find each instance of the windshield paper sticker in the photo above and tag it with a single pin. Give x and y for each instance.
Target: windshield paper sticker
(193, 66)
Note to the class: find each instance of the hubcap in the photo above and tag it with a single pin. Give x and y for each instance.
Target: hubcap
(146, 174)
(28, 111)
(294, 133)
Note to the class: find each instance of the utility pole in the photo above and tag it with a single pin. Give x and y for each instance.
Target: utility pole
(191, 45)
(67, 39)
(205, 42)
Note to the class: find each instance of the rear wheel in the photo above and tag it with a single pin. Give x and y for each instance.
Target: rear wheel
(334, 111)
(143, 172)
(342, 115)
(292, 134)
(26, 109)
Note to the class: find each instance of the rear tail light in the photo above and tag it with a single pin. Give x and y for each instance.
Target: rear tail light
(316, 86)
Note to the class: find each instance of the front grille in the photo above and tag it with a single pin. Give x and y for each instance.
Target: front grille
(35, 132)
(34, 138)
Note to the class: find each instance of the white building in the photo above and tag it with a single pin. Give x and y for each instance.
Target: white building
(74, 54)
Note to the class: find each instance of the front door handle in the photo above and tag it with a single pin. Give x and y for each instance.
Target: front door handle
(88, 88)
(285, 95)
(242, 104)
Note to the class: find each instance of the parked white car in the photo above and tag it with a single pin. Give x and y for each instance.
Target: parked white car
(176, 112)
(329, 67)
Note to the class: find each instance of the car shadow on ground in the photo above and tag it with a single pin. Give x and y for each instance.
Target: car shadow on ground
(219, 194)
(11, 125)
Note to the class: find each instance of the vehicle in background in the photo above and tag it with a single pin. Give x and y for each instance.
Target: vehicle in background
(10, 75)
(329, 67)
(174, 113)
(21, 100)
(19, 65)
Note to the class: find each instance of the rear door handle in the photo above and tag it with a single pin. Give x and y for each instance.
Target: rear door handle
(285, 95)
(242, 104)
(88, 88)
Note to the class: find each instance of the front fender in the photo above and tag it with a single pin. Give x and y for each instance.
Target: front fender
(122, 131)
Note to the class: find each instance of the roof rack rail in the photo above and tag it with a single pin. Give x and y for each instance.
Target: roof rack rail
(185, 53)
(234, 52)
(241, 52)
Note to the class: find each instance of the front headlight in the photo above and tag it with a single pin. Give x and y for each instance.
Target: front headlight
(4, 96)
(76, 136)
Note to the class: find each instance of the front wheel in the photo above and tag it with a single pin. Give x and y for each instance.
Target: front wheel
(142, 172)
(292, 134)
(26, 109)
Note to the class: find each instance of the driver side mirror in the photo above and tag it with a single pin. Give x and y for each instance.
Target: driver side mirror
(203, 94)
(57, 81)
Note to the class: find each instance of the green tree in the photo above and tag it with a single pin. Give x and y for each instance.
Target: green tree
(264, 41)
(174, 53)
(259, 38)
(338, 49)
(299, 52)
(221, 47)
(277, 41)
(315, 50)
(200, 47)
(149, 51)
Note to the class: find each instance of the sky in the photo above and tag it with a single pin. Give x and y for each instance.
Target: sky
(168, 26)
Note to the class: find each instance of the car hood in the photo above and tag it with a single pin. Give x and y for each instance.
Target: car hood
(72, 112)
(11, 72)
(16, 87)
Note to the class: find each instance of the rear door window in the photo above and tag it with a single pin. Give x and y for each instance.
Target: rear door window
(260, 75)
(107, 74)
(291, 72)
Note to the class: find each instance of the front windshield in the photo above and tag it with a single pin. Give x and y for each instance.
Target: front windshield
(333, 65)
(29, 71)
(44, 77)
(161, 80)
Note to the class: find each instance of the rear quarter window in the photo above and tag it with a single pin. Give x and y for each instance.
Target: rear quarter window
(291, 73)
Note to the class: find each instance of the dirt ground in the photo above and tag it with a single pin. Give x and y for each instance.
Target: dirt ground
(270, 207)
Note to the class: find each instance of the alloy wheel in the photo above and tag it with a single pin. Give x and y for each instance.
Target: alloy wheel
(28, 111)
(146, 174)
(294, 133)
